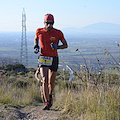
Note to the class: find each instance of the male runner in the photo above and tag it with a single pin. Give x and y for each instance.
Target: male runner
(48, 60)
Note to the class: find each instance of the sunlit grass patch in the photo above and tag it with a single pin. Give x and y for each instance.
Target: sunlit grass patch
(18, 91)
(91, 103)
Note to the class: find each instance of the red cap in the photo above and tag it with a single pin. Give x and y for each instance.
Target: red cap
(48, 17)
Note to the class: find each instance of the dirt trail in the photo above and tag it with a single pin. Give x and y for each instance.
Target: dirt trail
(40, 114)
(29, 113)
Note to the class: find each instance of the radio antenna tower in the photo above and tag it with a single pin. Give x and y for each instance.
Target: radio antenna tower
(24, 55)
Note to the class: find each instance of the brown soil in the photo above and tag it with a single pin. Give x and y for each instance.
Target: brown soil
(29, 113)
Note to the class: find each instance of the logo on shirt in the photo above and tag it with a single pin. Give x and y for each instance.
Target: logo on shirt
(52, 38)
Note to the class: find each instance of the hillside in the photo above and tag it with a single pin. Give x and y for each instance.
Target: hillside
(90, 96)
(97, 28)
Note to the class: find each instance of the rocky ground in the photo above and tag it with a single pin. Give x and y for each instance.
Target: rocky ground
(29, 113)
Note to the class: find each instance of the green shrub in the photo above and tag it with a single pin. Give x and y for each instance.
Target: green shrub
(21, 84)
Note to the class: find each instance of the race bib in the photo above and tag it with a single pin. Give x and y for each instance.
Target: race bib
(43, 60)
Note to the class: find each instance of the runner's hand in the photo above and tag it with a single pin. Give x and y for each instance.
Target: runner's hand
(54, 46)
(36, 49)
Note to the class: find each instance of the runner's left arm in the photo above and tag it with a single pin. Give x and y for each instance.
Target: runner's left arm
(64, 44)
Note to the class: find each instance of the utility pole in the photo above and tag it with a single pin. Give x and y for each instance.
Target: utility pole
(24, 54)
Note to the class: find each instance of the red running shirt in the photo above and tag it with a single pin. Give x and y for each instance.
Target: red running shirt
(48, 37)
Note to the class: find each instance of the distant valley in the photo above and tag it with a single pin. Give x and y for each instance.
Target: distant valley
(92, 40)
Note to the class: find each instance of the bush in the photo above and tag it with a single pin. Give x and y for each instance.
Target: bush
(16, 67)
(21, 84)
(19, 66)
(9, 67)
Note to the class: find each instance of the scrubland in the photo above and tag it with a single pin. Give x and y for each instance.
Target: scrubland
(79, 99)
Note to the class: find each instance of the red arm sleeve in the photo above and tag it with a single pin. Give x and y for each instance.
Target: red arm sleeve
(37, 31)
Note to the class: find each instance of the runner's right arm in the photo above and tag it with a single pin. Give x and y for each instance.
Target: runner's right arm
(36, 45)
(36, 41)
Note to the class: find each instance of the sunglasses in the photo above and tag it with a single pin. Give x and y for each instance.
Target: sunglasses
(51, 23)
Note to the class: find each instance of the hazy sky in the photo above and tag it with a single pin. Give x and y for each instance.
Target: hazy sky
(67, 13)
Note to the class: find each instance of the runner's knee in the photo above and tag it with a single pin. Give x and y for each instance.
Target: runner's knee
(45, 81)
(51, 84)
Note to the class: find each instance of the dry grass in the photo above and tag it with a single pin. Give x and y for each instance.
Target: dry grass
(19, 90)
(76, 99)
(91, 102)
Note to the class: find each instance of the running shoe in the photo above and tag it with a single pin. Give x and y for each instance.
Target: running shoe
(46, 106)
(50, 101)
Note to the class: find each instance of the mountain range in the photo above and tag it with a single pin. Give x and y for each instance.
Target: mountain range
(98, 28)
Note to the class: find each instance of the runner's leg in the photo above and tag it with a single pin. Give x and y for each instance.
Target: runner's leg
(52, 76)
(44, 75)
(42, 95)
